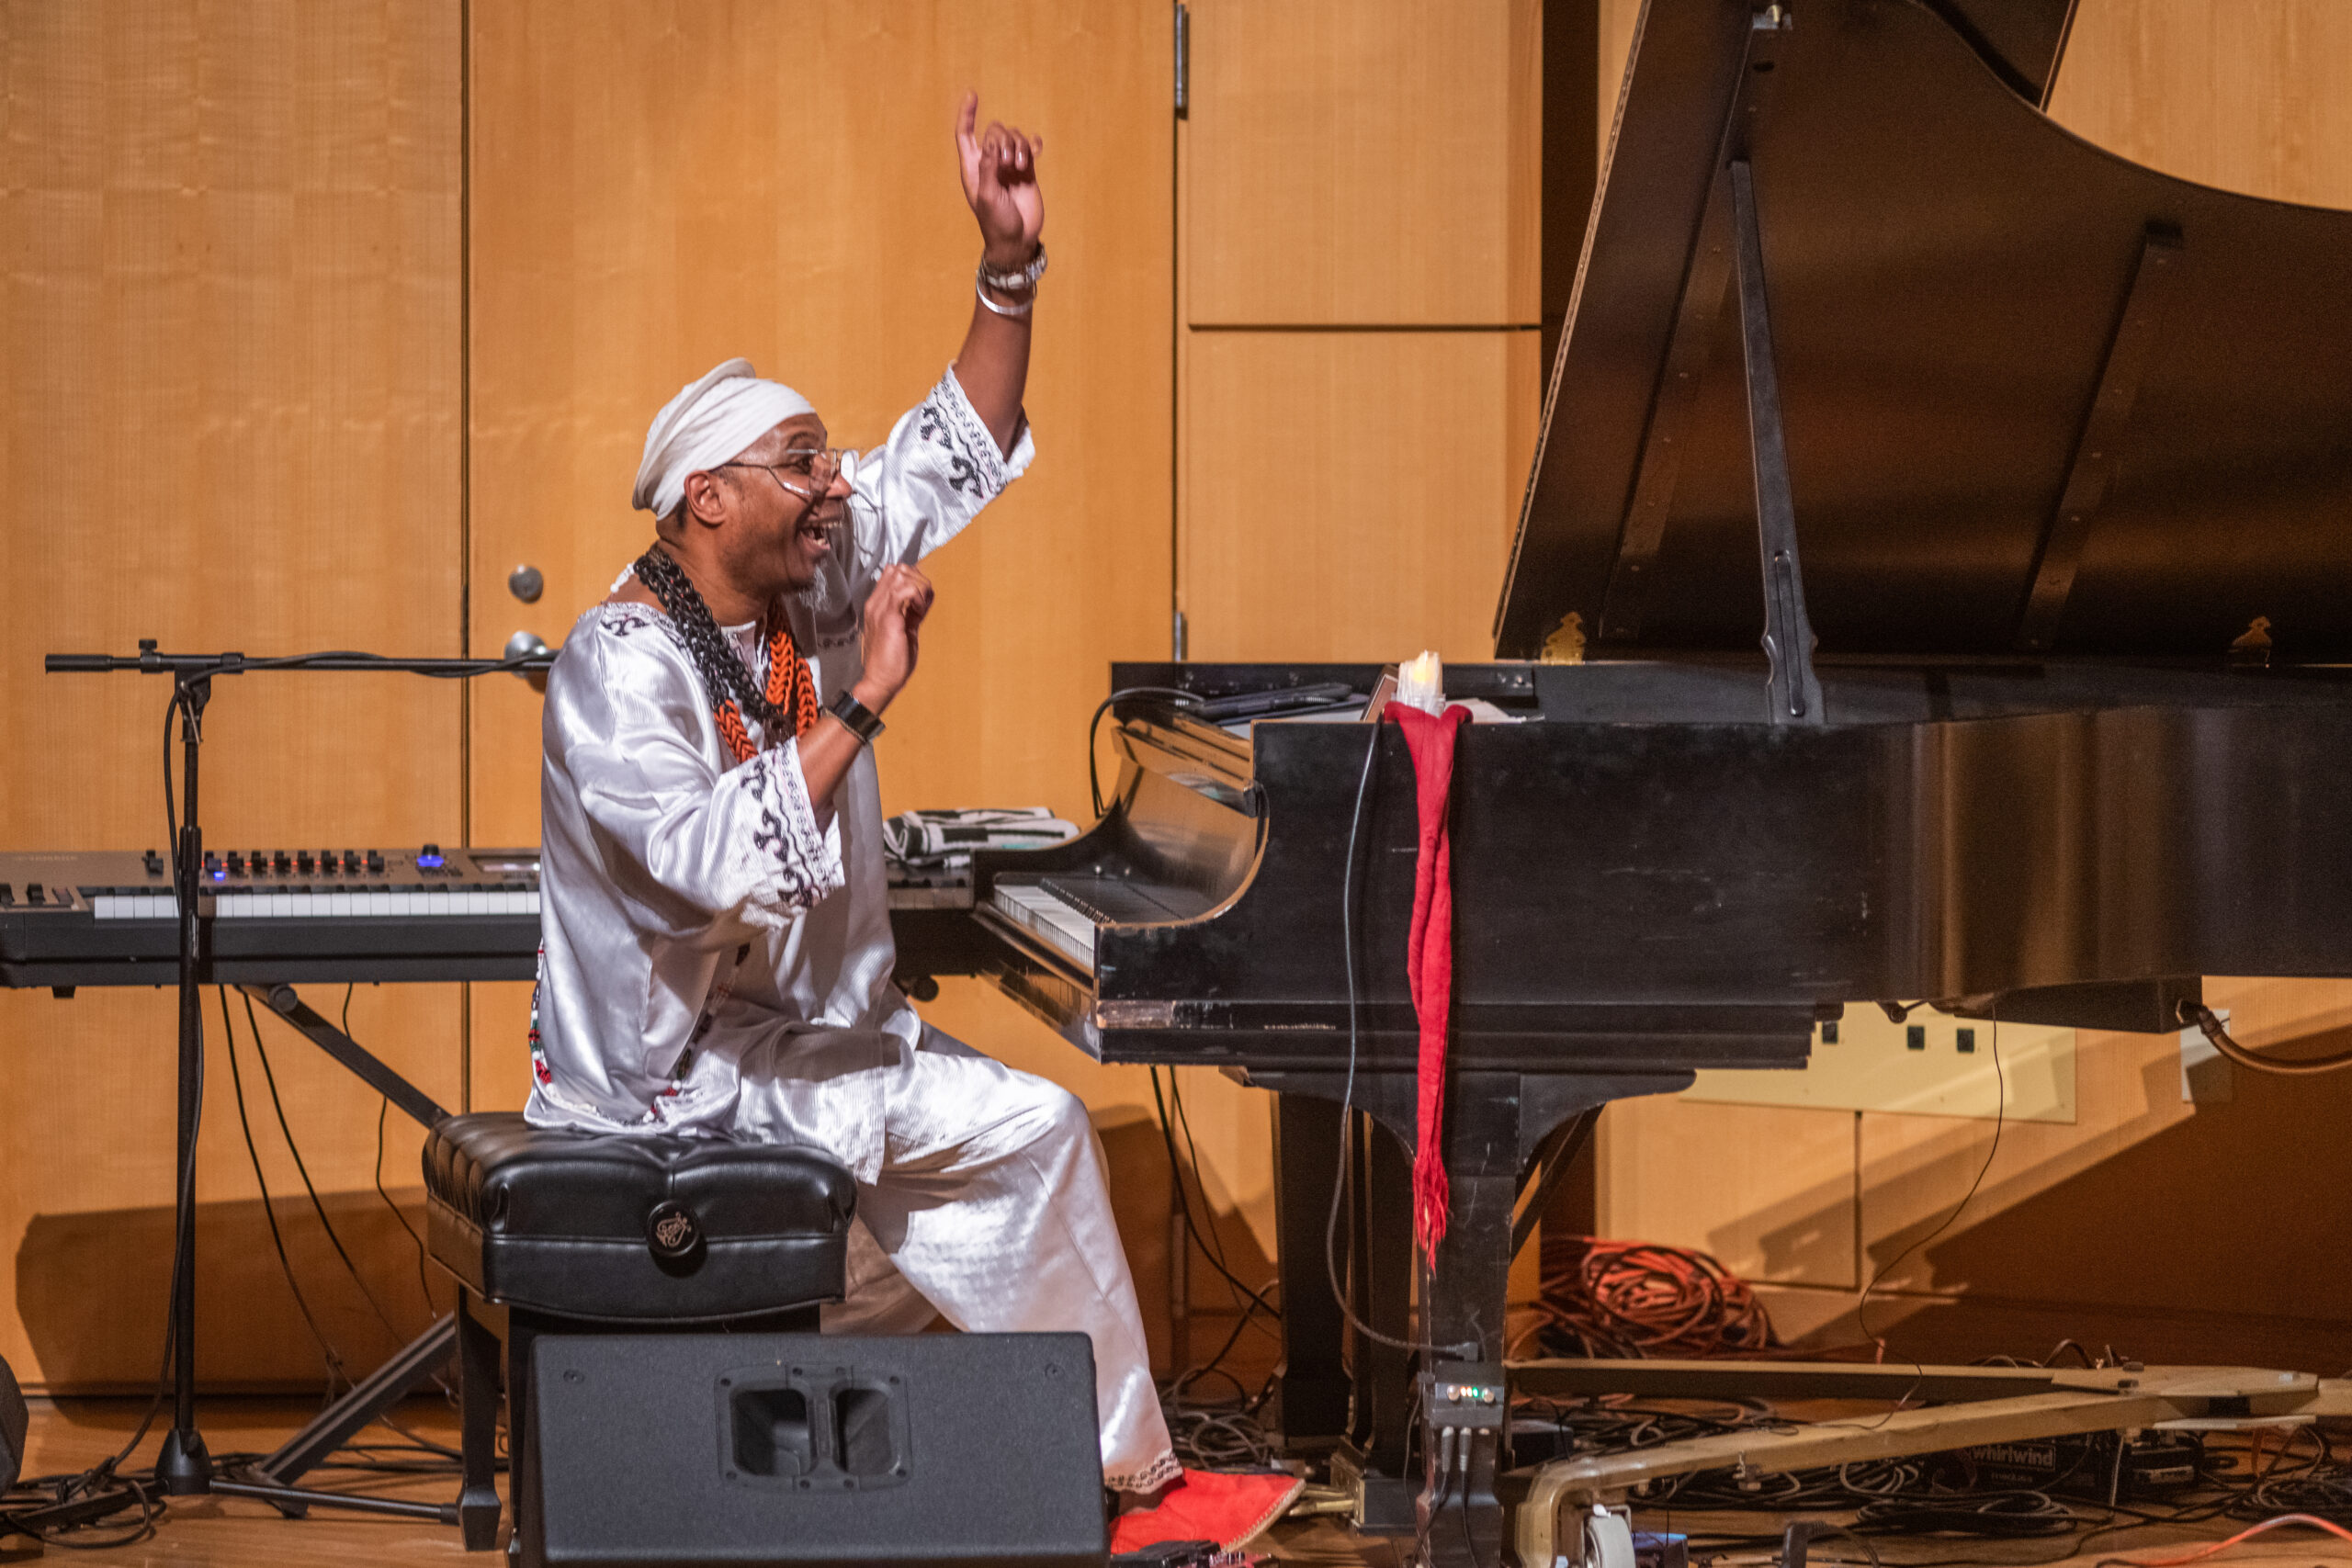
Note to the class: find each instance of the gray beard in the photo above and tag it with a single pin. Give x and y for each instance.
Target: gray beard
(830, 591)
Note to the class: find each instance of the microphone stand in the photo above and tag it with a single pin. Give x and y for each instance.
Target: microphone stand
(183, 1465)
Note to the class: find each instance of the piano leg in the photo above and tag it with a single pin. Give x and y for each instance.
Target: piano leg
(1311, 1388)
(1496, 1122)
(1378, 1452)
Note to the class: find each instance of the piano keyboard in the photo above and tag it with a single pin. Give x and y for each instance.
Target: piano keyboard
(1066, 911)
(112, 917)
(1037, 911)
(317, 902)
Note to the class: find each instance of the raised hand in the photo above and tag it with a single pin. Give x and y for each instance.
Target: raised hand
(999, 170)
(894, 613)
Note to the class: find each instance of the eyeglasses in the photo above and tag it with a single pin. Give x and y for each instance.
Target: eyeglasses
(807, 472)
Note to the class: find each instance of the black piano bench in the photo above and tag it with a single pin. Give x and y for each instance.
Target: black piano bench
(584, 1233)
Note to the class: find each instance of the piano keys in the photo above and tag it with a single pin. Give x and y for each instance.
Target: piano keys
(407, 914)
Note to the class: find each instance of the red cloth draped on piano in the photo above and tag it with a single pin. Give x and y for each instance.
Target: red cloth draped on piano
(1429, 956)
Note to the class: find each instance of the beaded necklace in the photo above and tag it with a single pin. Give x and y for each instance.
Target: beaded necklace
(784, 707)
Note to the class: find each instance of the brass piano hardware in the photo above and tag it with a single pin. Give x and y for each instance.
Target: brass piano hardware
(2091, 471)
(2251, 651)
(1566, 644)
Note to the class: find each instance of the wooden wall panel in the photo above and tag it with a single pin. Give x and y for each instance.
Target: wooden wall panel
(1351, 495)
(2251, 96)
(229, 345)
(1769, 1191)
(1365, 163)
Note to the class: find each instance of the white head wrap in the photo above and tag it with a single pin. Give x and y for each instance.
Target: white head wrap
(709, 421)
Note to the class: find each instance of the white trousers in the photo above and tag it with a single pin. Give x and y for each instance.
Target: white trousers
(990, 1210)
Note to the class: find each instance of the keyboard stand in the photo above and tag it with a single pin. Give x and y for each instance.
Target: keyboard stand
(184, 1466)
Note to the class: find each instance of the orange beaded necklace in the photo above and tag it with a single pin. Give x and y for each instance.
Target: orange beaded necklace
(791, 690)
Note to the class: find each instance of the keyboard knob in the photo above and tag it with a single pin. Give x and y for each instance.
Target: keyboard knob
(302, 860)
(429, 857)
(33, 893)
(154, 862)
(283, 862)
(375, 859)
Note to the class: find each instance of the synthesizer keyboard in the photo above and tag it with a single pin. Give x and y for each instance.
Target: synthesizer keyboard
(111, 918)
(289, 916)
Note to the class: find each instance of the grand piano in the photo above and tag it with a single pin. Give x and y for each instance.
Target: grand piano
(1956, 524)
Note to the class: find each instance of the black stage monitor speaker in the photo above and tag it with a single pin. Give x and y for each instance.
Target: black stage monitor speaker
(13, 1422)
(791, 1450)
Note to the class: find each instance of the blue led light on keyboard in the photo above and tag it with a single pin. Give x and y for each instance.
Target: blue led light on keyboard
(430, 860)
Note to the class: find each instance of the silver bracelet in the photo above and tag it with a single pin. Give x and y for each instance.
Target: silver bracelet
(981, 290)
(1019, 279)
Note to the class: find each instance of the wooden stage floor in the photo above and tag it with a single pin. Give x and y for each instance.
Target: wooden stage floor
(201, 1532)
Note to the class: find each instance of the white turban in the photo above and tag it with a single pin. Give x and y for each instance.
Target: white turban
(709, 421)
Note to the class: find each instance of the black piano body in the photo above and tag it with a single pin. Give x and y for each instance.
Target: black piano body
(1645, 880)
(1954, 524)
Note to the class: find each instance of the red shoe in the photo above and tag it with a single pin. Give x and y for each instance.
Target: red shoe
(1207, 1505)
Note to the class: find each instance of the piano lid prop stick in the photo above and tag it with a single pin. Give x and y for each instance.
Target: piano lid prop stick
(1429, 954)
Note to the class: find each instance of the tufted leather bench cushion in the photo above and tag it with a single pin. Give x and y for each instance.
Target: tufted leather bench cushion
(567, 1223)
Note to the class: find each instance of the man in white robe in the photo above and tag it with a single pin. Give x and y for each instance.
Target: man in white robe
(718, 951)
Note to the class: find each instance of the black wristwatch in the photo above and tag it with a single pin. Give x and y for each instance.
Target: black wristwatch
(859, 719)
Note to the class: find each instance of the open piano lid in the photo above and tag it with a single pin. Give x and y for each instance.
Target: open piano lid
(2036, 399)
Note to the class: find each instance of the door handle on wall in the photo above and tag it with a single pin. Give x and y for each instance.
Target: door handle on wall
(525, 583)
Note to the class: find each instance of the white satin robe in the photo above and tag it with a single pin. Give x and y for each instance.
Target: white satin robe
(979, 1189)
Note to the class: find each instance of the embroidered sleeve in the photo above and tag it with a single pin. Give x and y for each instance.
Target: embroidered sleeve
(699, 853)
(930, 478)
(788, 863)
